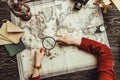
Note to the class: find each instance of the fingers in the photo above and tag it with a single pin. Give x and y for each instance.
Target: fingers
(41, 50)
(62, 43)
(62, 39)
(58, 40)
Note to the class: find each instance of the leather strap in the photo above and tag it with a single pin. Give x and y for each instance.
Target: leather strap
(38, 67)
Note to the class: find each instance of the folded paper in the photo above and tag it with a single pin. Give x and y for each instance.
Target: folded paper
(10, 33)
(116, 3)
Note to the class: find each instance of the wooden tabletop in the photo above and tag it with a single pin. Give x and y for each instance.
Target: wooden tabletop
(8, 65)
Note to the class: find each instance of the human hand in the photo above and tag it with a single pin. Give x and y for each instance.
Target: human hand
(68, 41)
(39, 56)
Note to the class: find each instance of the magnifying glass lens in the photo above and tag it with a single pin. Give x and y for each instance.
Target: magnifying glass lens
(49, 43)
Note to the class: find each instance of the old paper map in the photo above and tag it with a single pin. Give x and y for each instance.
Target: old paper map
(56, 18)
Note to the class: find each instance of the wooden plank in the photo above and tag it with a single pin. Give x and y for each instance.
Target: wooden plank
(11, 73)
(114, 41)
(113, 18)
(80, 75)
(8, 65)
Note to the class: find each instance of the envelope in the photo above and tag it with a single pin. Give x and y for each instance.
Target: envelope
(10, 33)
(116, 3)
(4, 41)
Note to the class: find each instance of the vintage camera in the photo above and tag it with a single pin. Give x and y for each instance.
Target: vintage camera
(78, 4)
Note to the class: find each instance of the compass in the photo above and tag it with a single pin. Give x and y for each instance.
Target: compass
(49, 43)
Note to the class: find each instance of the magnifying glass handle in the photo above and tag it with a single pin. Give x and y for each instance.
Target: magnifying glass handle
(47, 53)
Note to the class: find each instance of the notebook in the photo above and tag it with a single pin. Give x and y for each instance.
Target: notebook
(13, 49)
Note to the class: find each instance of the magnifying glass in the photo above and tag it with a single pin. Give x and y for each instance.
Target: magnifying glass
(48, 43)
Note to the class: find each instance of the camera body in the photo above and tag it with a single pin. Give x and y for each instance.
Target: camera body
(78, 4)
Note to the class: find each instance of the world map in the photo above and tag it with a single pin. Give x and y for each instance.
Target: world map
(56, 18)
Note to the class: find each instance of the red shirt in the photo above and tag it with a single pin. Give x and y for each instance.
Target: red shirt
(104, 58)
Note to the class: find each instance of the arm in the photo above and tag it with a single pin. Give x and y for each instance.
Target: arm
(104, 55)
(39, 55)
(35, 78)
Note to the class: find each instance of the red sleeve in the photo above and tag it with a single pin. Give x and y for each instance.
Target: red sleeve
(104, 57)
(35, 78)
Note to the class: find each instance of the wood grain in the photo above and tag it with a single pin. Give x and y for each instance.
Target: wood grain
(8, 65)
(112, 18)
